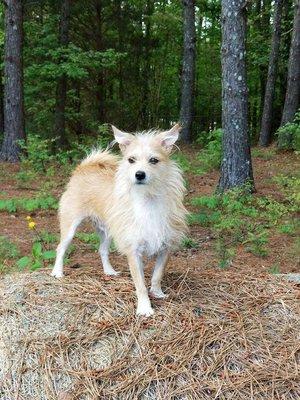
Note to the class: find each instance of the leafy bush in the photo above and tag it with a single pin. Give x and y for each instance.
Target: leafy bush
(289, 135)
(210, 157)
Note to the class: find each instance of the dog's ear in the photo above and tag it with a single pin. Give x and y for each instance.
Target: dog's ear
(122, 138)
(168, 138)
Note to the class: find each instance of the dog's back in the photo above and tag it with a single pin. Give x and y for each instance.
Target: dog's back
(90, 187)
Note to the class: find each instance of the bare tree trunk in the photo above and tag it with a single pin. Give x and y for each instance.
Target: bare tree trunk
(13, 86)
(236, 169)
(188, 70)
(266, 122)
(292, 96)
(61, 89)
(100, 75)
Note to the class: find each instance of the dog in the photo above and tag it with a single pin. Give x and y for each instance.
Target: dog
(136, 200)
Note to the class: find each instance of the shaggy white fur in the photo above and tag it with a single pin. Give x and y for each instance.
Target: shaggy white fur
(143, 214)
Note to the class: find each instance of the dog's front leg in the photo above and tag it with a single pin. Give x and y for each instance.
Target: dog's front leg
(137, 272)
(161, 262)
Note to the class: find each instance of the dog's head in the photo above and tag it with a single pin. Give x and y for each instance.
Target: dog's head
(146, 155)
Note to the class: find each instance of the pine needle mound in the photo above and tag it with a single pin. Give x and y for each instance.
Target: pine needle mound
(219, 335)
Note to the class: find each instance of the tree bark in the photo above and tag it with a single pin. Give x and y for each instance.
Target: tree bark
(61, 89)
(100, 75)
(292, 96)
(236, 168)
(13, 85)
(188, 70)
(266, 122)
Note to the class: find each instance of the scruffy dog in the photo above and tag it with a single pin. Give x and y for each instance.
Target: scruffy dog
(136, 200)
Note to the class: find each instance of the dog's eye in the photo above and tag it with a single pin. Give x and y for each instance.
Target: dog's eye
(153, 160)
(131, 160)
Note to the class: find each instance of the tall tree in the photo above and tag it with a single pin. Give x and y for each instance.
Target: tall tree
(61, 89)
(13, 81)
(266, 122)
(188, 70)
(292, 96)
(236, 169)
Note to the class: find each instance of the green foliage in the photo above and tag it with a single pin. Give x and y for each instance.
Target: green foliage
(189, 243)
(264, 154)
(275, 269)
(183, 162)
(37, 258)
(8, 249)
(92, 239)
(289, 135)
(238, 218)
(209, 157)
(30, 204)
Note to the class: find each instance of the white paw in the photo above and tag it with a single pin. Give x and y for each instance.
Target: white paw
(57, 274)
(111, 272)
(158, 293)
(145, 311)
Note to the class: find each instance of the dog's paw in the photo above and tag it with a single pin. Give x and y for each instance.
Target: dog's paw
(111, 272)
(158, 294)
(57, 274)
(145, 311)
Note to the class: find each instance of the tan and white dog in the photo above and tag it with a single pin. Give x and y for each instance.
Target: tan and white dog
(136, 200)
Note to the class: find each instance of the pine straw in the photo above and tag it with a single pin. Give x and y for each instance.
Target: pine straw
(217, 336)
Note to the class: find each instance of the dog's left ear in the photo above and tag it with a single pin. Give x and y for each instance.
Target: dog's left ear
(168, 138)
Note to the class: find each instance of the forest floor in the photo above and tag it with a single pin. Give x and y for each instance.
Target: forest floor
(229, 328)
(281, 248)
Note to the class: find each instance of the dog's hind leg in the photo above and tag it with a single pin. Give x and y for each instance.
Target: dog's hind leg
(105, 241)
(158, 272)
(68, 229)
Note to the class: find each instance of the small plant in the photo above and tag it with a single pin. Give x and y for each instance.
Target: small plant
(256, 243)
(274, 269)
(287, 228)
(264, 154)
(189, 243)
(8, 251)
(92, 239)
(39, 253)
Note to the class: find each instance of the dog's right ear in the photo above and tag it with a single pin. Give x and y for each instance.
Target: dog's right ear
(122, 138)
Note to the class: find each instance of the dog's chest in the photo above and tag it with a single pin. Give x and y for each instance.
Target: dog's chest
(151, 224)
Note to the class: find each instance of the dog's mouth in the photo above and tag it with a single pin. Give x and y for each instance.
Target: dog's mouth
(140, 183)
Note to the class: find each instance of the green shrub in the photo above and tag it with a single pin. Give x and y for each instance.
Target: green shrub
(289, 135)
(209, 157)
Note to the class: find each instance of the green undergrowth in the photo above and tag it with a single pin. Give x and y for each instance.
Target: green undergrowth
(237, 218)
(13, 205)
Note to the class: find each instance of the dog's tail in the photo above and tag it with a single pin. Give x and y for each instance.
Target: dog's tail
(100, 159)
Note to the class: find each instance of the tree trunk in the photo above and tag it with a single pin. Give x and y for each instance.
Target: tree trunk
(236, 169)
(100, 75)
(188, 70)
(266, 122)
(1, 103)
(292, 96)
(61, 89)
(13, 85)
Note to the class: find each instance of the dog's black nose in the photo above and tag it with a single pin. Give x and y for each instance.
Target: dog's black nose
(140, 175)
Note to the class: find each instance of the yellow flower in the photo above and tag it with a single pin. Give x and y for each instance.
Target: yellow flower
(31, 225)
(28, 218)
